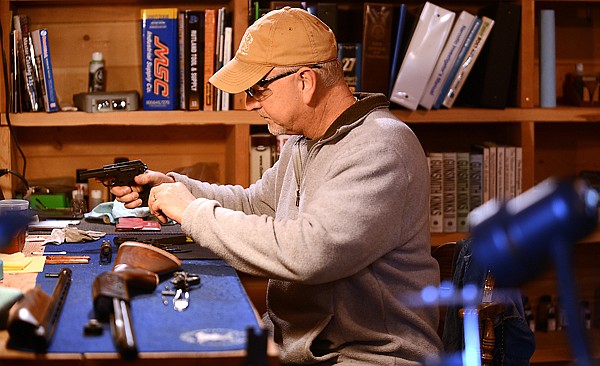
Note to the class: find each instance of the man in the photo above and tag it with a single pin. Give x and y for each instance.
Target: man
(339, 224)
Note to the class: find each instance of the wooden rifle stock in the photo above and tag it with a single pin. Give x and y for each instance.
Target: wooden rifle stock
(137, 268)
(32, 324)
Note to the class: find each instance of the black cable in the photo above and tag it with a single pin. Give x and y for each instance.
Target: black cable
(7, 103)
(22, 178)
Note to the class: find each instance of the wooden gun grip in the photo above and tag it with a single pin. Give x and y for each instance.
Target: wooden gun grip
(33, 321)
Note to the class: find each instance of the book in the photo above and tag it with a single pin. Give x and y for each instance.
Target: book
(261, 153)
(403, 25)
(29, 71)
(518, 170)
(160, 58)
(510, 166)
(227, 55)
(457, 63)
(41, 46)
(210, 47)
(462, 191)
(500, 172)
(492, 149)
(468, 62)
(430, 35)
(220, 44)
(328, 13)
(449, 196)
(191, 65)
(447, 58)
(15, 84)
(436, 196)
(475, 178)
(495, 74)
(183, 40)
(377, 47)
(350, 55)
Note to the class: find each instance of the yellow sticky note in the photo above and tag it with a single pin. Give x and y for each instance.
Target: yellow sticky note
(18, 263)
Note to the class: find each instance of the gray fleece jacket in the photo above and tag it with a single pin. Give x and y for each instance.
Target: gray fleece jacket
(340, 227)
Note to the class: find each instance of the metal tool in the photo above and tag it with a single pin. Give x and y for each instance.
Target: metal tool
(182, 281)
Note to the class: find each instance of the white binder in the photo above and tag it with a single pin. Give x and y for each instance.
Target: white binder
(447, 58)
(426, 44)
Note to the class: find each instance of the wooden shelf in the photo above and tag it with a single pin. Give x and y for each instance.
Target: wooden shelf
(235, 117)
(478, 115)
(132, 118)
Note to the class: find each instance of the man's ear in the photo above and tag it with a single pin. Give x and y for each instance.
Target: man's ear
(308, 79)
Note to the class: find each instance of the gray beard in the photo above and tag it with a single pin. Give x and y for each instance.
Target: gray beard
(275, 129)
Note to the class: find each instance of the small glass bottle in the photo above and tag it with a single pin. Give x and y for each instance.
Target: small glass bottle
(529, 317)
(586, 314)
(95, 198)
(78, 203)
(96, 75)
(551, 317)
(488, 288)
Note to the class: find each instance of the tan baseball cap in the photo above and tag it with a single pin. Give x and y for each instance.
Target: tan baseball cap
(284, 37)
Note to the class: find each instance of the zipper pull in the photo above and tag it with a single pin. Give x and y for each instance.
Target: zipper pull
(298, 197)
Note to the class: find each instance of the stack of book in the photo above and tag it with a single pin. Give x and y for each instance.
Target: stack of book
(196, 43)
(32, 80)
(182, 49)
(440, 57)
(462, 180)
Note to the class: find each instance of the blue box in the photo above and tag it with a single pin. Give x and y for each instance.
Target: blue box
(160, 73)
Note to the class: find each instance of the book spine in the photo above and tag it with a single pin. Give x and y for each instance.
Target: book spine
(493, 151)
(28, 65)
(518, 170)
(195, 60)
(50, 101)
(510, 172)
(376, 42)
(447, 58)
(210, 34)
(350, 55)
(261, 153)
(467, 64)
(475, 180)
(399, 41)
(500, 172)
(486, 174)
(498, 76)
(160, 58)
(184, 72)
(459, 58)
(462, 191)
(547, 59)
(450, 191)
(327, 12)
(426, 44)
(37, 54)
(436, 180)
(15, 73)
(227, 51)
(220, 40)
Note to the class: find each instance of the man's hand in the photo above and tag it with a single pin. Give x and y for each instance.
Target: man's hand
(169, 201)
(130, 195)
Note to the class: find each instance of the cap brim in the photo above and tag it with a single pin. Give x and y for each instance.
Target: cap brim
(237, 76)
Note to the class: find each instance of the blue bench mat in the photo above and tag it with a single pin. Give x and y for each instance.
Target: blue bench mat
(216, 319)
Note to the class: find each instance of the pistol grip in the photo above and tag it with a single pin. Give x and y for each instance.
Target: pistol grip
(145, 194)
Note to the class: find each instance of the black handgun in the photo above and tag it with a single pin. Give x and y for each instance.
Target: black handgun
(119, 174)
